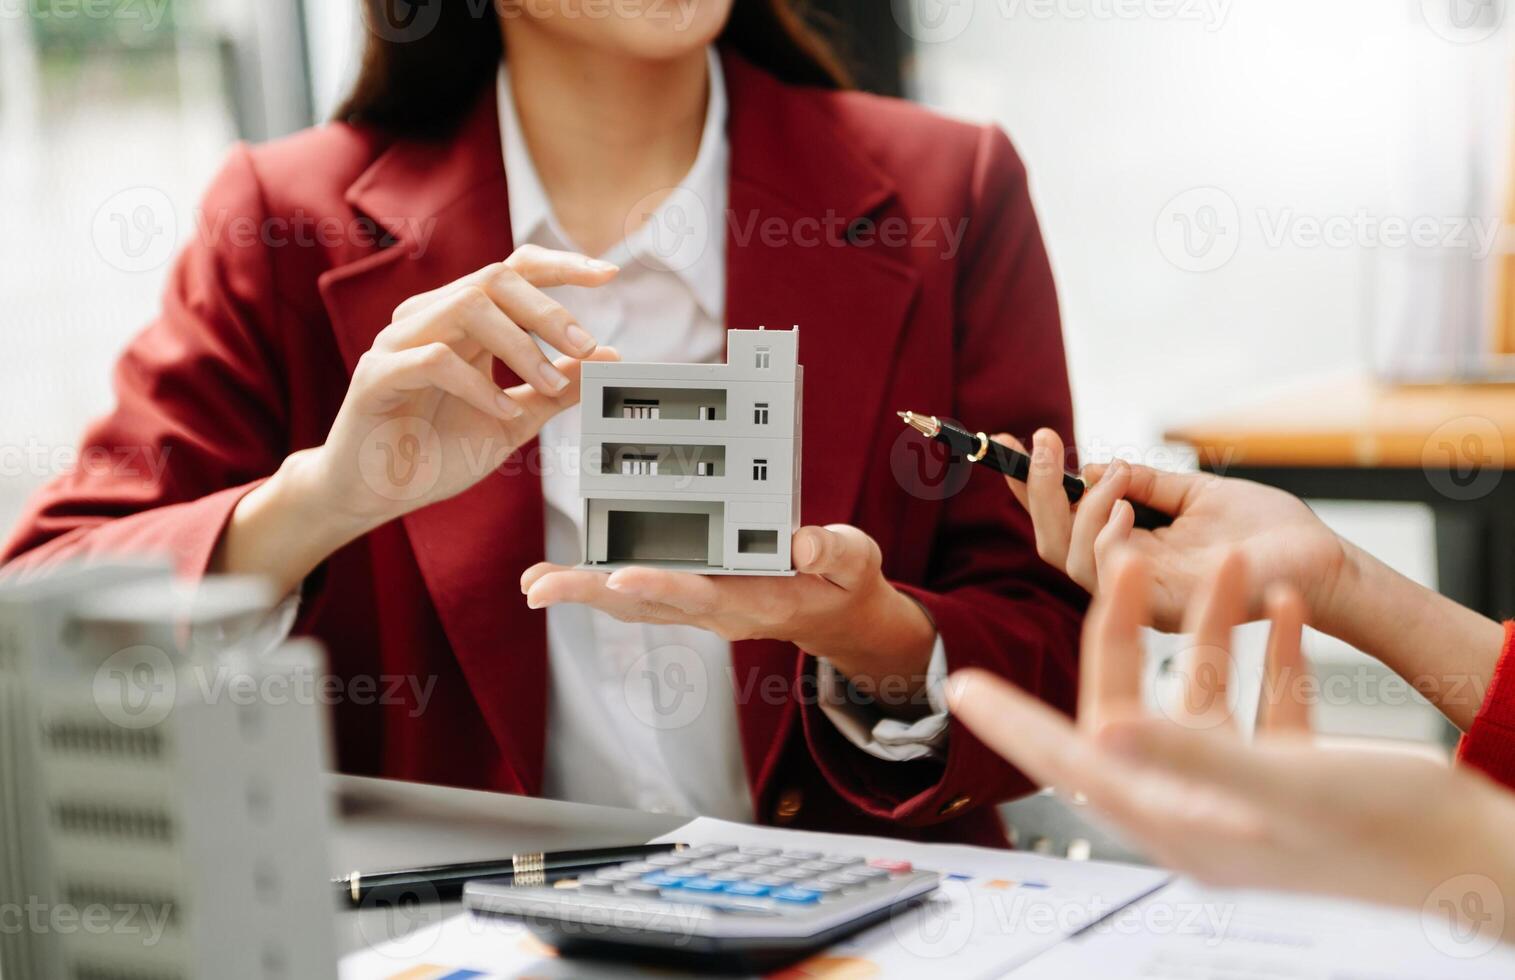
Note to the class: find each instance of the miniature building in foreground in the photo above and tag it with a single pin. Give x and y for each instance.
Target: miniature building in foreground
(694, 466)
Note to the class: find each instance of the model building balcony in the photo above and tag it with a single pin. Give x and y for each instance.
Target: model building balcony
(674, 404)
(661, 460)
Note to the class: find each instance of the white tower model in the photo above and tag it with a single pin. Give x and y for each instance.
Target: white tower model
(695, 466)
(161, 795)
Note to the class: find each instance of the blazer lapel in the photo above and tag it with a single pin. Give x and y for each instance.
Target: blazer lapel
(445, 208)
(849, 301)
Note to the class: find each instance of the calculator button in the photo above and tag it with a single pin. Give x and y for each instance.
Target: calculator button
(638, 867)
(802, 855)
(772, 882)
(709, 864)
(597, 885)
(893, 867)
(842, 860)
(665, 860)
(797, 896)
(750, 869)
(616, 874)
(707, 850)
(684, 873)
(757, 852)
(640, 888)
(793, 874)
(747, 889)
(661, 879)
(773, 862)
(698, 885)
(817, 867)
(866, 874)
(821, 887)
(725, 877)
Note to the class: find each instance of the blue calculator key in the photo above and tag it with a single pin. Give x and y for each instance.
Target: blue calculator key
(701, 885)
(797, 896)
(661, 879)
(747, 889)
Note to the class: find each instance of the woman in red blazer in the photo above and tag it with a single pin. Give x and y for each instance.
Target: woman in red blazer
(351, 412)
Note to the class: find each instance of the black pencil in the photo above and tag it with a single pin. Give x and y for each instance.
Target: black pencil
(979, 448)
(445, 881)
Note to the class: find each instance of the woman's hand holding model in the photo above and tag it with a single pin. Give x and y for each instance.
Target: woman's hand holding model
(838, 606)
(1277, 813)
(1444, 650)
(423, 419)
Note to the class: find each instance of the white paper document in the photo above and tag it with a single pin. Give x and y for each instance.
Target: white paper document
(1185, 932)
(995, 910)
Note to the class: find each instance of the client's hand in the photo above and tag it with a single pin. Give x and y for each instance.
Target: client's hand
(1276, 814)
(1281, 538)
(839, 606)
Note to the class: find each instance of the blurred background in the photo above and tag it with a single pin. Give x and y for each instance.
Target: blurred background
(1279, 203)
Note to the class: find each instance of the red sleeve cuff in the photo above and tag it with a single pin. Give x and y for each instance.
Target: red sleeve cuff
(1489, 745)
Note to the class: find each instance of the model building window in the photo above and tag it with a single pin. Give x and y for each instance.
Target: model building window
(760, 413)
(760, 469)
(637, 408)
(764, 357)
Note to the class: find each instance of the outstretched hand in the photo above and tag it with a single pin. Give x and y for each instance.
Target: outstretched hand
(1185, 787)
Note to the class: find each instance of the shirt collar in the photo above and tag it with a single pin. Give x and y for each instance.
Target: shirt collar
(531, 212)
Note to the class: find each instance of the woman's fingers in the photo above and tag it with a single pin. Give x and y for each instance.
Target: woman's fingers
(1115, 535)
(1091, 517)
(1282, 707)
(539, 408)
(1206, 665)
(552, 585)
(1046, 499)
(548, 267)
(1017, 487)
(1113, 658)
(697, 595)
(840, 553)
(470, 320)
(1034, 737)
(390, 374)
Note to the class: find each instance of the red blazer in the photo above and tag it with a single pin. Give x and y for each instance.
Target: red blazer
(259, 333)
(1489, 744)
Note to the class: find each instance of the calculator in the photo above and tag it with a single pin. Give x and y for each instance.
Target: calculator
(711, 907)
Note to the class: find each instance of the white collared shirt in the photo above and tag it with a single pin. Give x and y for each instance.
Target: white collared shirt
(645, 716)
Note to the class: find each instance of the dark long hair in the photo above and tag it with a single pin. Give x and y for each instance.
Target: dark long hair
(425, 63)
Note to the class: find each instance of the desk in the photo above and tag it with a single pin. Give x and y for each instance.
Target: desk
(382, 823)
(1451, 447)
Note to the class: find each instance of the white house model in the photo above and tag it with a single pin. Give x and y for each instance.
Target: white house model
(694, 466)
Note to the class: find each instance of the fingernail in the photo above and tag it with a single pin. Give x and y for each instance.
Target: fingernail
(552, 377)
(579, 338)
(532, 602)
(508, 407)
(596, 265)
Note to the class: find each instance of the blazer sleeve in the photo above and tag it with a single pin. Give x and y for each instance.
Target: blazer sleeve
(995, 603)
(1489, 745)
(198, 419)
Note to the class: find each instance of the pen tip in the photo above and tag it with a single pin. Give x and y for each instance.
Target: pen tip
(904, 415)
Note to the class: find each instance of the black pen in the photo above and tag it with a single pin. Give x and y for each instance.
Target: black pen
(445, 881)
(979, 448)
